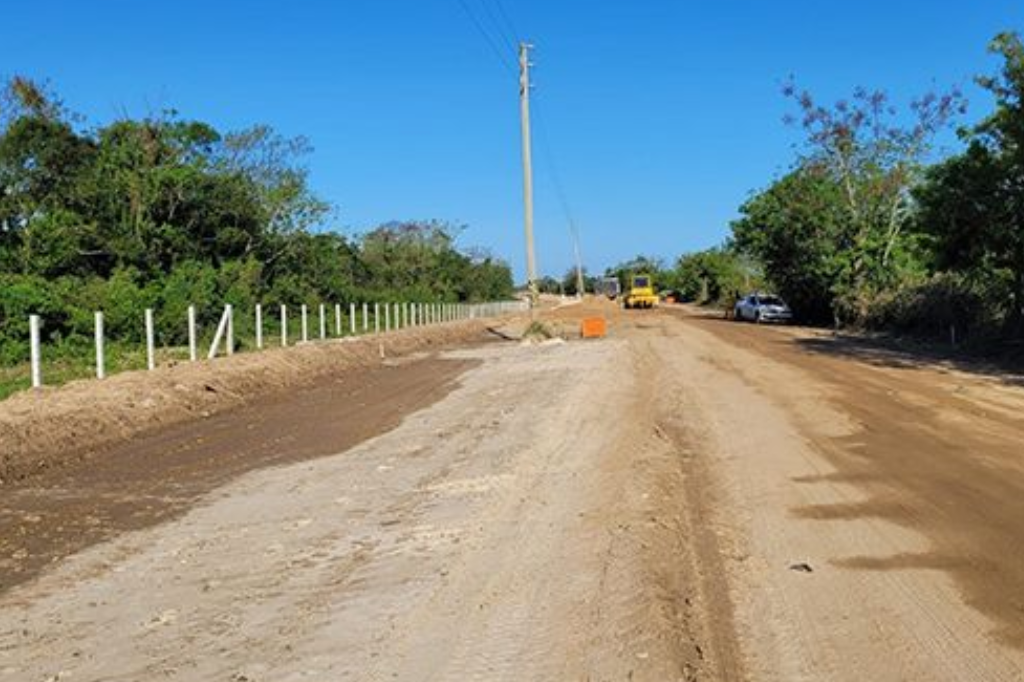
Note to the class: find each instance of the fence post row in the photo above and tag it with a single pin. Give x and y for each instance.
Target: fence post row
(397, 315)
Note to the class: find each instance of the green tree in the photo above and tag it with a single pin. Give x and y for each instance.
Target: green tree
(649, 265)
(875, 156)
(972, 205)
(713, 275)
(798, 230)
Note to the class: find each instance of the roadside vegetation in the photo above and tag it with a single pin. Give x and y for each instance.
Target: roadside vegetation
(868, 231)
(165, 212)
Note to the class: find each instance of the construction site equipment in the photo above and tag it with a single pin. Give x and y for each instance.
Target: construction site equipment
(593, 328)
(608, 286)
(641, 293)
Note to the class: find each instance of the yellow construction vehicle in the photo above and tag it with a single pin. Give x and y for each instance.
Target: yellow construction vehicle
(641, 293)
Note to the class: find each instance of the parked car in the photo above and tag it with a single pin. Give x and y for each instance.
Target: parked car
(762, 308)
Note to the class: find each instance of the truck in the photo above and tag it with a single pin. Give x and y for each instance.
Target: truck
(607, 286)
(641, 293)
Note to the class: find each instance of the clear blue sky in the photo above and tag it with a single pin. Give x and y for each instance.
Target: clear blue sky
(662, 114)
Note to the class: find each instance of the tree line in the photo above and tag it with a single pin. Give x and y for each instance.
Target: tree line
(162, 212)
(867, 230)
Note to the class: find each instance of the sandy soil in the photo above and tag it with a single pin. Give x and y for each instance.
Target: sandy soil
(51, 427)
(688, 499)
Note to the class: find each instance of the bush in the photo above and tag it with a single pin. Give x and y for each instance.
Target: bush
(971, 307)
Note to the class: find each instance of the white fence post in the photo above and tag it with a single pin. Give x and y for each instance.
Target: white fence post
(323, 322)
(337, 319)
(376, 318)
(398, 315)
(305, 323)
(150, 341)
(193, 352)
(387, 317)
(259, 326)
(35, 351)
(101, 370)
(284, 325)
(366, 319)
(229, 310)
(222, 328)
(352, 318)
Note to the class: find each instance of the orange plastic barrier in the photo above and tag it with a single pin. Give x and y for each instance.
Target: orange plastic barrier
(593, 328)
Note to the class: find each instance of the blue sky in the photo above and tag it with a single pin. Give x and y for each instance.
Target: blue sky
(661, 115)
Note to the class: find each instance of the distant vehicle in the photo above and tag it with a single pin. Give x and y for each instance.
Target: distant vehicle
(608, 286)
(671, 296)
(641, 293)
(762, 308)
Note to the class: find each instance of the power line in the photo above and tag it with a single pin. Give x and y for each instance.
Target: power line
(510, 41)
(556, 181)
(503, 58)
(507, 19)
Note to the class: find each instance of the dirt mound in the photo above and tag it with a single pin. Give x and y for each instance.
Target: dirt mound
(45, 428)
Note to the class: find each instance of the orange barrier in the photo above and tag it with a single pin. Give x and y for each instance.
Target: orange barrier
(593, 328)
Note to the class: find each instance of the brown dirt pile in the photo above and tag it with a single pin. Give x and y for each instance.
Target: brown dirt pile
(52, 426)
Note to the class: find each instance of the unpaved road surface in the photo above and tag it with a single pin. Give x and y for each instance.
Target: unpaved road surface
(688, 499)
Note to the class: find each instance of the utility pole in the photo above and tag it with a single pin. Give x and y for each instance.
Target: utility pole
(524, 113)
(580, 283)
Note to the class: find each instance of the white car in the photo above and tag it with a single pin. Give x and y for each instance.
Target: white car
(762, 308)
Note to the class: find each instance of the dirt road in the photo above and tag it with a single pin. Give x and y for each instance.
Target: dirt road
(688, 499)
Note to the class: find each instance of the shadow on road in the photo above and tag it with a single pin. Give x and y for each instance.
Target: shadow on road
(1004, 362)
(1004, 365)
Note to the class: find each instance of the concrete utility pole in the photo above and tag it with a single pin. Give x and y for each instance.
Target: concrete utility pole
(580, 283)
(524, 113)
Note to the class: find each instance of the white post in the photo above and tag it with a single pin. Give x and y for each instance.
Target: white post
(284, 326)
(101, 370)
(34, 351)
(387, 317)
(193, 352)
(323, 322)
(229, 310)
(222, 328)
(352, 318)
(337, 319)
(305, 323)
(366, 319)
(398, 315)
(259, 326)
(376, 318)
(150, 343)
